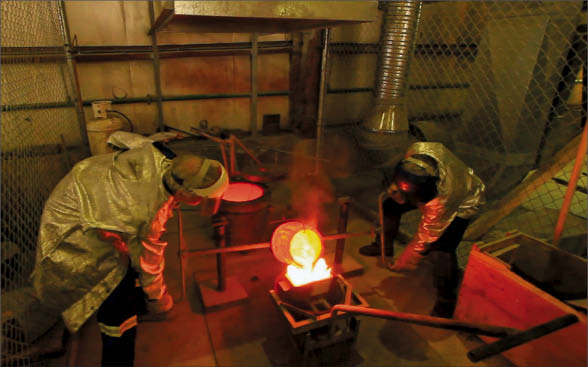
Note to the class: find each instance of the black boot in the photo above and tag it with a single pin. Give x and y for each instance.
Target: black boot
(445, 281)
(443, 308)
(374, 249)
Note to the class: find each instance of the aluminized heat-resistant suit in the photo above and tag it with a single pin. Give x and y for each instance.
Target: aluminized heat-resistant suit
(78, 264)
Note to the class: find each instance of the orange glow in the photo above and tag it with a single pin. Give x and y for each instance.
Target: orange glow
(306, 247)
(300, 246)
(301, 276)
(242, 191)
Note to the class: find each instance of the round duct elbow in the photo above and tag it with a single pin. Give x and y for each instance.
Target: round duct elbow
(387, 119)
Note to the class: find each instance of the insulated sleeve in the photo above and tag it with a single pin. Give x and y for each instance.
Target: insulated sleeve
(435, 219)
(147, 258)
(147, 253)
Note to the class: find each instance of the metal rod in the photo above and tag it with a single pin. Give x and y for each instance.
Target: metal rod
(418, 319)
(111, 53)
(232, 158)
(226, 250)
(181, 249)
(65, 152)
(411, 87)
(34, 51)
(297, 309)
(253, 100)
(578, 165)
(221, 231)
(148, 100)
(208, 136)
(37, 106)
(139, 56)
(161, 21)
(578, 188)
(322, 92)
(224, 154)
(156, 69)
(514, 340)
(73, 73)
(265, 245)
(381, 198)
(38, 151)
(120, 50)
(342, 227)
(459, 50)
(246, 150)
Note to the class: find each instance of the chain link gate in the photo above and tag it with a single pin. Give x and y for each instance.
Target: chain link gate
(39, 129)
(501, 84)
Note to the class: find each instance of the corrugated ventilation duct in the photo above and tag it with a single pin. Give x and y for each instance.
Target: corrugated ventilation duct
(399, 27)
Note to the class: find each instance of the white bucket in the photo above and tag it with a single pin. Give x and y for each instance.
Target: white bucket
(98, 132)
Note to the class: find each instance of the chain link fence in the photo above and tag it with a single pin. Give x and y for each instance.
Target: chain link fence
(501, 84)
(39, 128)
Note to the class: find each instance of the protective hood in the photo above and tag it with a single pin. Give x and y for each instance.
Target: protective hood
(215, 190)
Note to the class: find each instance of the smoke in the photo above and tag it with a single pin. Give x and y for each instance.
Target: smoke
(311, 191)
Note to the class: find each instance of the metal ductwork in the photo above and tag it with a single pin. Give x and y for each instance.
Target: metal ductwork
(274, 16)
(389, 116)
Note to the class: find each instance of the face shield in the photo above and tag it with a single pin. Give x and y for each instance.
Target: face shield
(204, 188)
(411, 186)
(212, 195)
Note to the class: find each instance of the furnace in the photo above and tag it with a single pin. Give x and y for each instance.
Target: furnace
(245, 205)
(307, 291)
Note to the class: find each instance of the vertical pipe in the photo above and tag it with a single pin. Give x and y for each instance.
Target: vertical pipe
(65, 152)
(342, 228)
(253, 105)
(294, 77)
(232, 158)
(156, 69)
(321, 102)
(73, 74)
(181, 248)
(224, 155)
(220, 228)
(580, 156)
(381, 198)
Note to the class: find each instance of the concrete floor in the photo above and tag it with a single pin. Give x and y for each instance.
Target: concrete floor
(255, 333)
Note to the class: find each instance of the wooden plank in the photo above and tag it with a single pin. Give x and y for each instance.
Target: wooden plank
(505, 250)
(497, 245)
(490, 293)
(508, 203)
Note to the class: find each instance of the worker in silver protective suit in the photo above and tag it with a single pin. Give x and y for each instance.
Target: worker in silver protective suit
(100, 233)
(448, 194)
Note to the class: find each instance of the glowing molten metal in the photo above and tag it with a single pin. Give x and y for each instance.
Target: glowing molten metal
(242, 191)
(301, 276)
(300, 247)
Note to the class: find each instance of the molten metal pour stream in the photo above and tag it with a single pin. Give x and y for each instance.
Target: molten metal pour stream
(300, 246)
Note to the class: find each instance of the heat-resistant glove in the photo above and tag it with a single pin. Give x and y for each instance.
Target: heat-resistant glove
(408, 260)
(159, 309)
